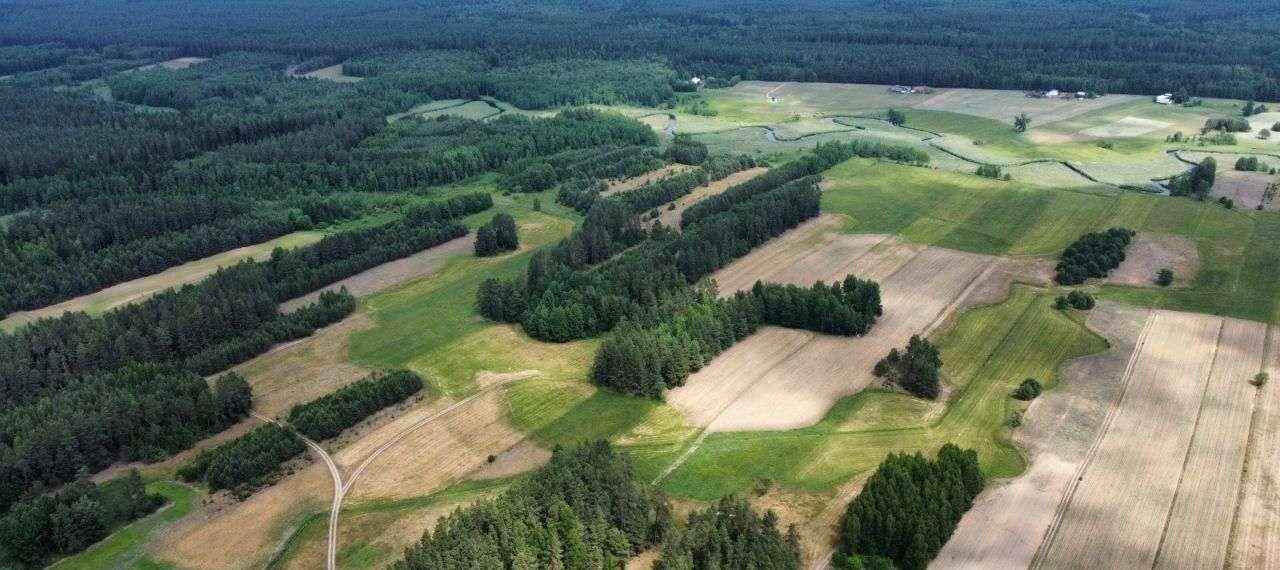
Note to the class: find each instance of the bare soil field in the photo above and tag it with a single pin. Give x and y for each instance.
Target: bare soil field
(392, 273)
(670, 217)
(1200, 521)
(143, 287)
(435, 454)
(783, 379)
(524, 456)
(646, 178)
(1173, 436)
(1255, 540)
(1149, 253)
(1246, 189)
(246, 535)
(1003, 105)
(305, 369)
(1008, 520)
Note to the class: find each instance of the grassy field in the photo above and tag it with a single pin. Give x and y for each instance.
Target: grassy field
(985, 356)
(969, 213)
(123, 549)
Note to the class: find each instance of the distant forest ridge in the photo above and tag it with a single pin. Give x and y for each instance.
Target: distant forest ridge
(1223, 48)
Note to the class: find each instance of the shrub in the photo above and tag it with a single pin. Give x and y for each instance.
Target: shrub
(988, 171)
(1260, 379)
(1028, 390)
(1250, 164)
(1164, 277)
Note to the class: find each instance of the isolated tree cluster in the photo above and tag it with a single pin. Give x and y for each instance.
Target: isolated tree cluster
(1093, 254)
(915, 369)
(329, 415)
(497, 236)
(245, 462)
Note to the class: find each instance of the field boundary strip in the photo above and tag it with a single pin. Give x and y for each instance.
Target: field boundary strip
(1255, 419)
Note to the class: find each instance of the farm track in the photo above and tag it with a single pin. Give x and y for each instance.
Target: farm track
(342, 487)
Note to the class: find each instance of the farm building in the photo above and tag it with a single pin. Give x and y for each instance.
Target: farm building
(1166, 99)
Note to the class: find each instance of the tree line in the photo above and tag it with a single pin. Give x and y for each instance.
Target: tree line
(908, 509)
(648, 360)
(538, 174)
(585, 510)
(1093, 254)
(675, 186)
(329, 415)
(43, 526)
(245, 462)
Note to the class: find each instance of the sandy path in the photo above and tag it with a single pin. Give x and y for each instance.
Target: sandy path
(670, 217)
(785, 379)
(1200, 521)
(143, 287)
(391, 273)
(1115, 516)
(1008, 520)
(1255, 541)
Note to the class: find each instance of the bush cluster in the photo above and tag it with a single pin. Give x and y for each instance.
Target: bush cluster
(914, 369)
(1092, 255)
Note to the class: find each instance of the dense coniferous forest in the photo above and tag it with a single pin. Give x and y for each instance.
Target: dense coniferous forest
(582, 510)
(1094, 254)
(143, 412)
(43, 526)
(1112, 46)
(327, 416)
(908, 509)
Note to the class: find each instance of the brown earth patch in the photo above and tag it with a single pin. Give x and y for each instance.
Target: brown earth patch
(247, 534)
(523, 457)
(634, 182)
(434, 454)
(670, 217)
(1149, 253)
(392, 273)
(1245, 189)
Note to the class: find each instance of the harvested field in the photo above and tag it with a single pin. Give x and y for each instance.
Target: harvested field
(1191, 372)
(306, 369)
(806, 99)
(392, 273)
(1125, 127)
(1149, 253)
(523, 457)
(1246, 189)
(782, 379)
(1200, 521)
(1003, 105)
(646, 178)
(247, 534)
(670, 217)
(435, 454)
(143, 287)
(1009, 519)
(1255, 540)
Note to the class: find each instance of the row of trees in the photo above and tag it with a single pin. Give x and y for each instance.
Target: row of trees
(245, 462)
(543, 173)
(1092, 255)
(914, 369)
(674, 186)
(328, 415)
(144, 412)
(648, 360)
(908, 509)
(41, 527)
